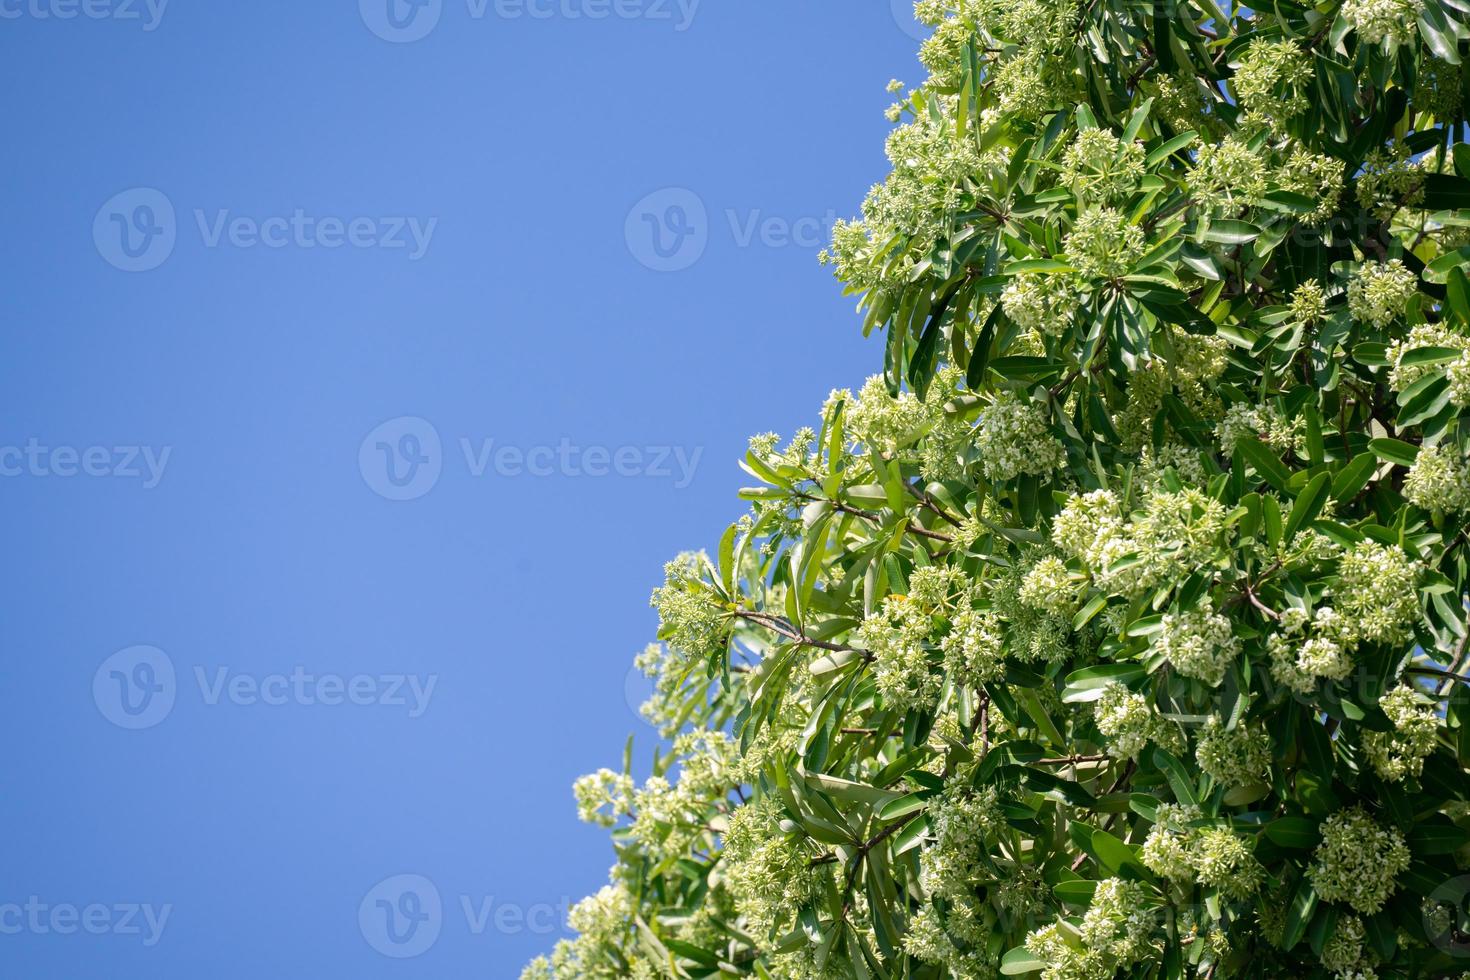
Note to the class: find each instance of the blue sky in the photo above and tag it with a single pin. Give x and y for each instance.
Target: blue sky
(359, 373)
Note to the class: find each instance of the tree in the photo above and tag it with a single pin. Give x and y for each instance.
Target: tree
(1118, 627)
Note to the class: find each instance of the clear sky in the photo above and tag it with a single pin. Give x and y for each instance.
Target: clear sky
(361, 367)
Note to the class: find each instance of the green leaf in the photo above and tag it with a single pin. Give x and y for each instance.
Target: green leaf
(1087, 685)
(905, 805)
(1298, 913)
(1019, 961)
(1179, 779)
(1457, 291)
(1229, 231)
(1092, 608)
(1169, 146)
(1308, 504)
(1446, 192)
(1353, 477)
(1265, 462)
(1439, 270)
(1118, 857)
(1294, 832)
(1422, 356)
(1394, 451)
(1077, 892)
(1437, 838)
(846, 789)
(1052, 266)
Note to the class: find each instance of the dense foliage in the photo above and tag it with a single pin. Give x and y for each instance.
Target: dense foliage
(1116, 628)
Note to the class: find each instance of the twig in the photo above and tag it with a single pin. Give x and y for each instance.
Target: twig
(777, 625)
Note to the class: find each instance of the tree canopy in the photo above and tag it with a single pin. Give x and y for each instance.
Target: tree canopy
(1117, 626)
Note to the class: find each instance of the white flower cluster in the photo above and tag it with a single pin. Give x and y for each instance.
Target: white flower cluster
(1222, 860)
(1101, 167)
(1403, 375)
(877, 419)
(1104, 244)
(899, 633)
(1199, 644)
(1391, 178)
(1314, 175)
(606, 923)
(974, 651)
(1308, 302)
(1308, 649)
(1115, 933)
(1049, 587)
(690, 618)
(1040, 303)
(1358, 861)
(769, 873)
(960, 822)
(1377, 593)
(1380, 291)
(1343, 954)
(1166, 850)
(602, 797)
(1266, 423)
(1173, 536)
(1178, 849)
(1228, 176)
(1012, 438)
(1268, 80)
(928, 939)
(1381, 20)
(1032, 633)
(896, 635)
(1439, 480)
(1130, 723)
(1239, 756)
(1400, 753)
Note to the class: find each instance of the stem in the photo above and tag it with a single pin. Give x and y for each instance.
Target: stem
(777, 625)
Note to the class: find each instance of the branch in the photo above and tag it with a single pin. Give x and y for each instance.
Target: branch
(780, 626)
(868, 515)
